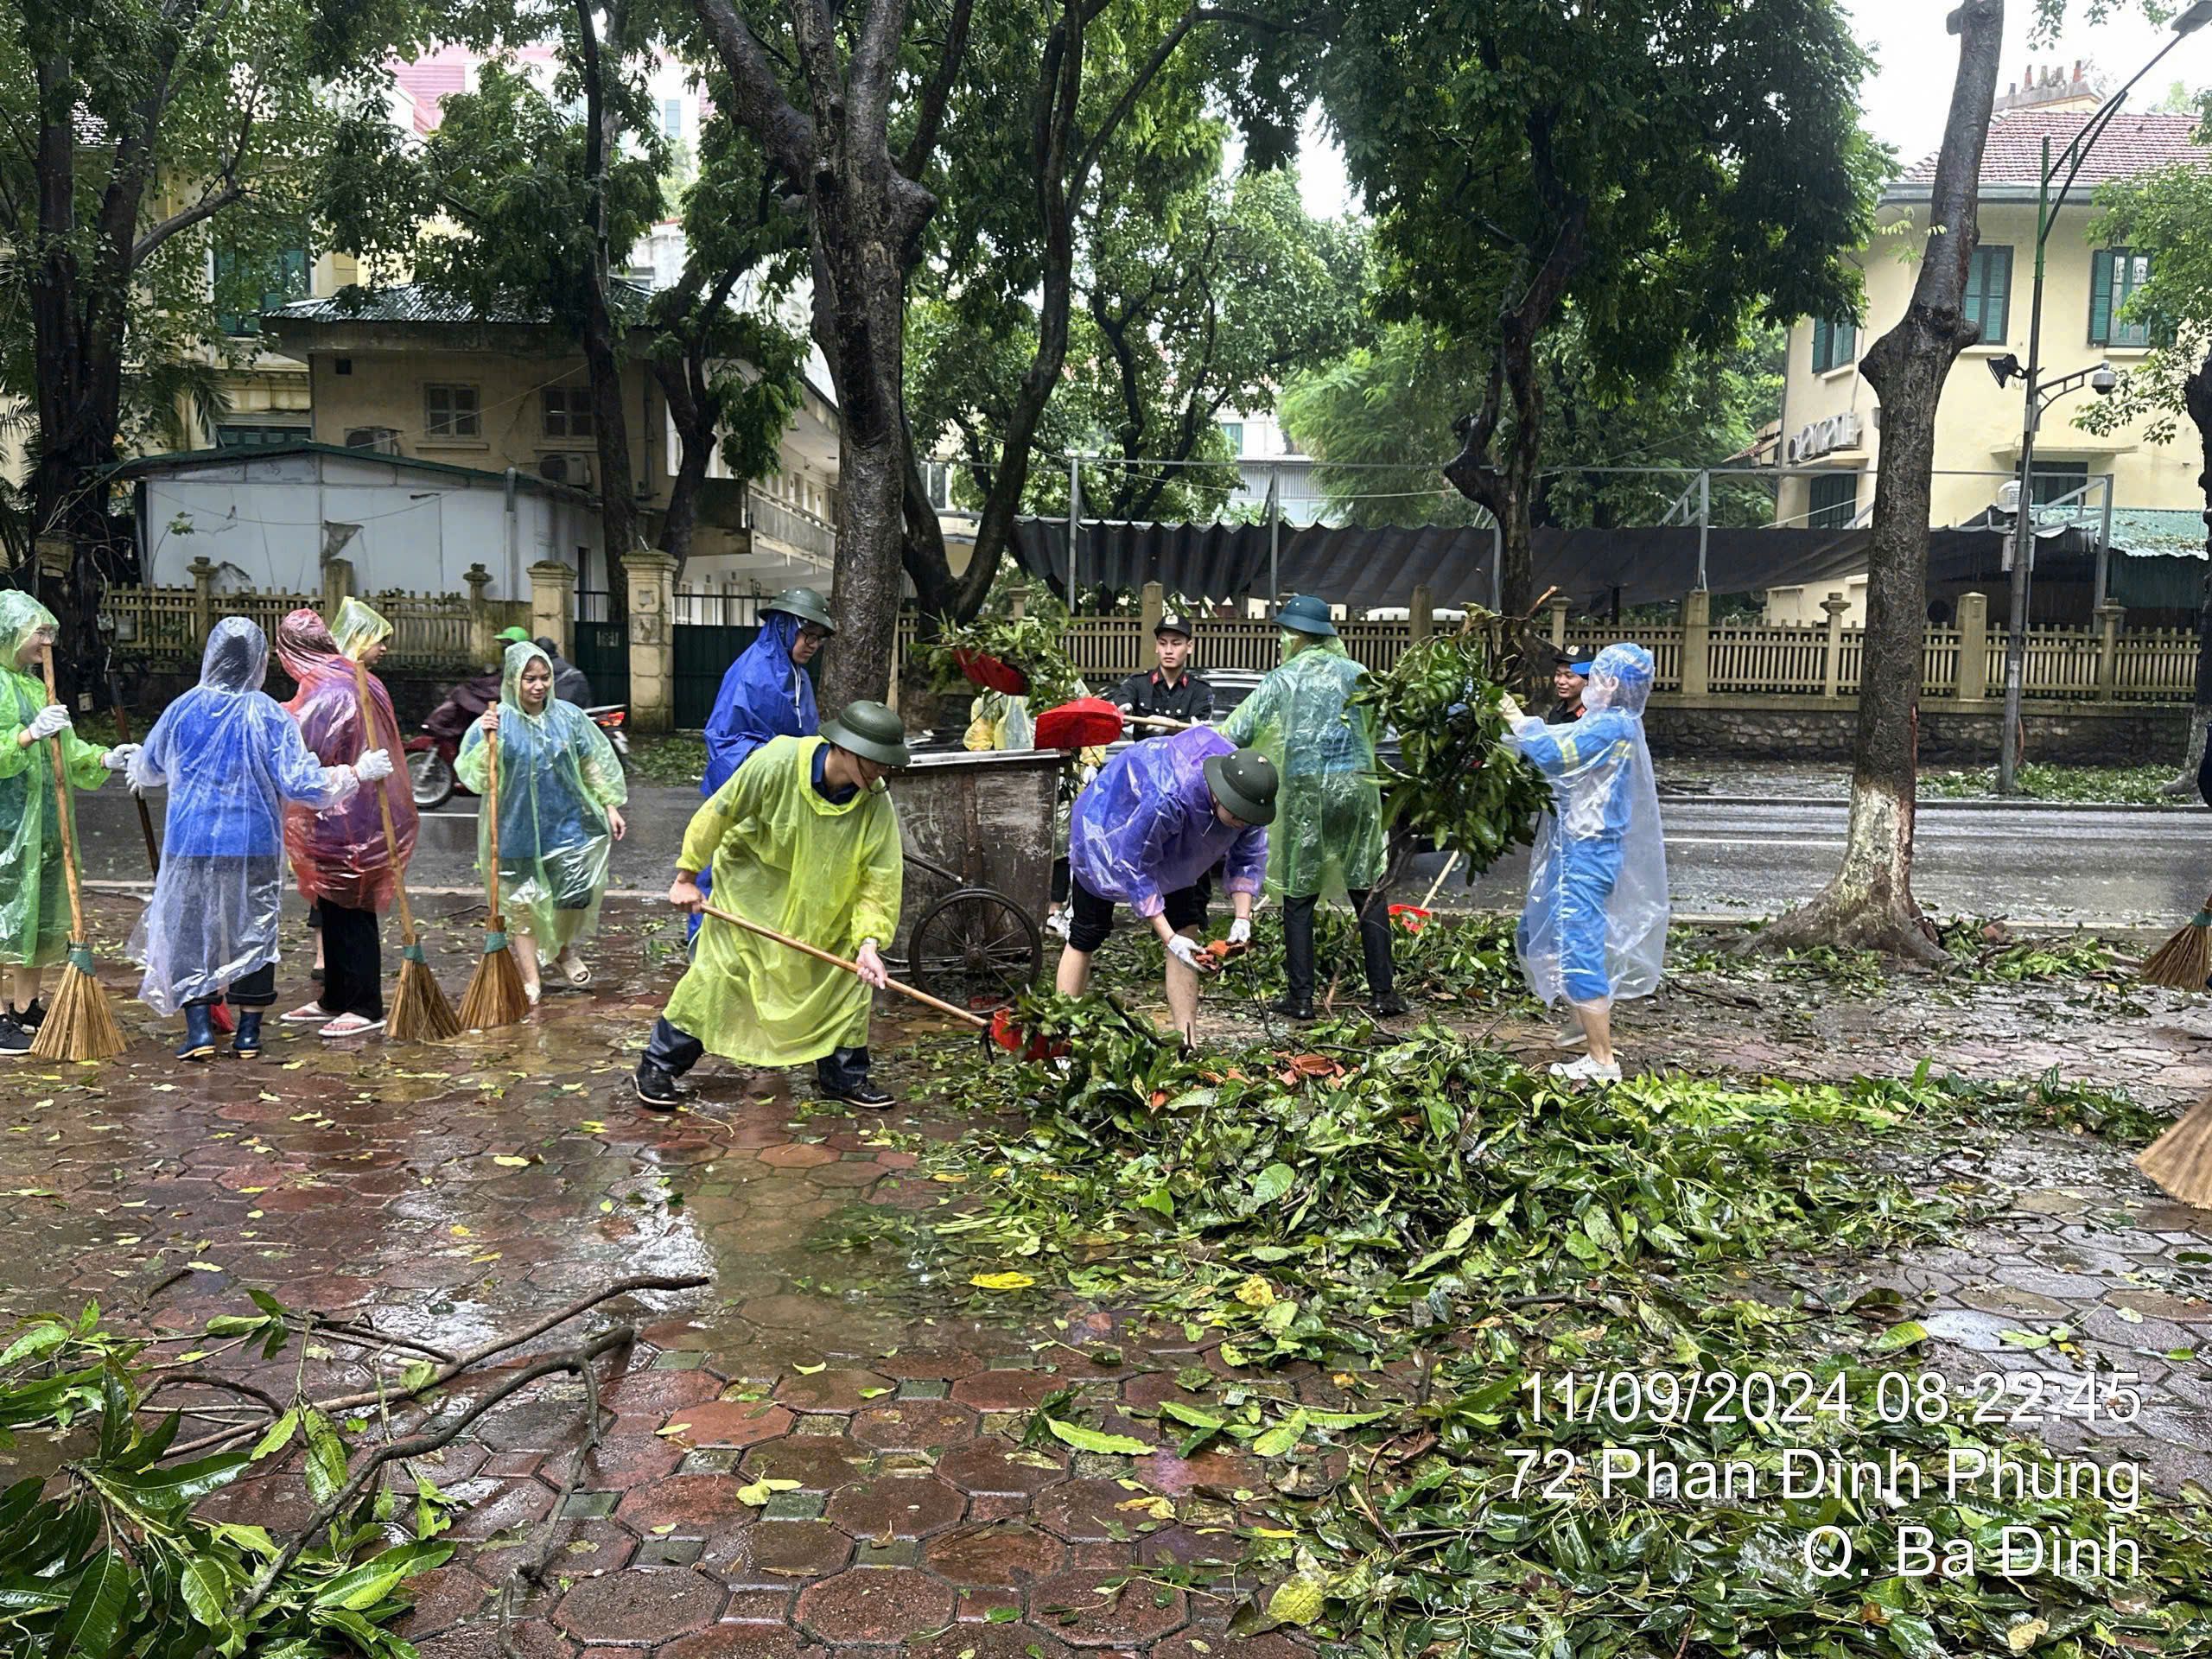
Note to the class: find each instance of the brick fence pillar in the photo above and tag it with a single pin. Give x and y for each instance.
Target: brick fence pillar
(553, 605)
(651, 577)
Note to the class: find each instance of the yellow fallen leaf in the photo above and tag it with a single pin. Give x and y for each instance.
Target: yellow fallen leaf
(758, 1494)
(506, 1162)
(204, 1267)
(809, 1370)
(1001, 1281)
(1256, 1291)
(459, 1231)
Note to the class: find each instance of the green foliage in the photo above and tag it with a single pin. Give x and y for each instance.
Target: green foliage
(1454, 781)
(1028, 643)
(674, 759)
(118, 1560)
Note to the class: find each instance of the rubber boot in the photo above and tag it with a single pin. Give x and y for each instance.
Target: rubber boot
(1297, 1001)
(246, 1045)
(199, 1033)
(1374, 954)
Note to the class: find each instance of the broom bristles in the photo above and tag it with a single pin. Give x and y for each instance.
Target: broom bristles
(79, 1025)
(2184, 961)
(420, 1012)
(2180, 1160)
(494, 997)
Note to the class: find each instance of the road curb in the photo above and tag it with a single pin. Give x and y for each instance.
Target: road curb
(1994, 803)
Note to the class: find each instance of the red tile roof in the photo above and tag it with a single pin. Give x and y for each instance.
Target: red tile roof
(2134, 144)
(428, 81)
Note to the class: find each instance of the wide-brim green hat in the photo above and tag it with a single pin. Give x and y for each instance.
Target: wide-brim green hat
(1245, 782)
(804, 604)
(871, 731)
(1307, 615)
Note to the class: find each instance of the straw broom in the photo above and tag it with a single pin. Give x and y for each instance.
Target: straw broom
(79, 1025)
(2180, 1160)
(494, 997)
(2182, 963)
(420, 1012)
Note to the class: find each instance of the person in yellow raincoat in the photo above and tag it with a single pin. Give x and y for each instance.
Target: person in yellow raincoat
(803, 839)
(1328, 837)
(560, 798)
(33, 889)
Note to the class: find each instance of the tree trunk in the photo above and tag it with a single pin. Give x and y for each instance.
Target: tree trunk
(618, 501)
(2196, 398)
(696, 413)
(1869, 904)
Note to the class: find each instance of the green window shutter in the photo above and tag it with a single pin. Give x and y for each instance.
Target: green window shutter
(1996, 295)
(1822, 345)
(1976, 291)
(1846, 342)
(2100, 265)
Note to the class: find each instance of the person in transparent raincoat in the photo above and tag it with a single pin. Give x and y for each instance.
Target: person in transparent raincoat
(1327, 837)
(34, 889)
(1594, 930)
(229, 759)
(339, 853)
(560, 796)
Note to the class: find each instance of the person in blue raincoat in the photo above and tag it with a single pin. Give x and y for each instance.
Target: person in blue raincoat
(765, 693)
(230, 758)
(1595, 926)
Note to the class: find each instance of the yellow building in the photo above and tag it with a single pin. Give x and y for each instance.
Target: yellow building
(1831, 423)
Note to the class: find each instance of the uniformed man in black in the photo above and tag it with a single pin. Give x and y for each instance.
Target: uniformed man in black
(1170, 691)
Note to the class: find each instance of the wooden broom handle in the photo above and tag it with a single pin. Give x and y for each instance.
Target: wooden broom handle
(923, 997)
(491, 806)
(145, 817)
(371, 737)
(62, 803)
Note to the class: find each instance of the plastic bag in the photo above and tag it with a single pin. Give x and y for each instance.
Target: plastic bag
(996, 721)
(1327, 836)
(230, 758)
(339, 853)
(764, 694)
(785, 856)
(1595, 925)
(558, 774)
(1146, 826)
(33, 889)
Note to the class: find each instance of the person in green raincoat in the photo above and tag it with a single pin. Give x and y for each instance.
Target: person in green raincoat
(1327, 836)
(803, 839)
(560, 796)
(34, 889)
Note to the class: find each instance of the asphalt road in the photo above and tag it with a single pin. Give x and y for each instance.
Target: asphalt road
(1747, 858)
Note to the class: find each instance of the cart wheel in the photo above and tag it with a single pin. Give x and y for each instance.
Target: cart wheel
(974, 949)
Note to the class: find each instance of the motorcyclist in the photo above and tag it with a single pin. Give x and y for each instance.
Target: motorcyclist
(467, 702)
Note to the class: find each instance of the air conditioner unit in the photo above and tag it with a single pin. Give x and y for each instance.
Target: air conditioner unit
(565, 467)
(384, 440)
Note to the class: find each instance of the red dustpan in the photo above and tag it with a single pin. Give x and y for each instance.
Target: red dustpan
(1086, 723)
(992, 674)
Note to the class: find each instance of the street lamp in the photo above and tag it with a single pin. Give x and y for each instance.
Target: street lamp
(2102, 379)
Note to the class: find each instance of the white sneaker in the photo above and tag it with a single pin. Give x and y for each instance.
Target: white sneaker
(1586, 1070)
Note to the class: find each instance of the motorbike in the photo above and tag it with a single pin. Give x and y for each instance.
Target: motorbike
(430, 774)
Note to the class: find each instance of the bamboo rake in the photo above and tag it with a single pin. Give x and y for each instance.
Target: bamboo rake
(495, 995)
(420, 1012)
(79, 1025)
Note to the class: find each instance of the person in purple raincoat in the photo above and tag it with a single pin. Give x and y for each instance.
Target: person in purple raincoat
(1147, 834)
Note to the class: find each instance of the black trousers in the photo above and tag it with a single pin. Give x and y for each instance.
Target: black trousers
(676, 1051)
(1373, 944)
(353, 963)
(256, 991)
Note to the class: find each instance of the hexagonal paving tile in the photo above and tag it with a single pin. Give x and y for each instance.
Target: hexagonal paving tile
(914, 1426)
(838, 1391)
(1001, 1466)
(894, 1508)
(1092, 1511)
(789, 1549)
(820, 1463)
(1071, 1606)
(689, 1502)
(729, 1422)
(875, 1605)
(639, 1605)
(1006, 1553)
(1006, 1390)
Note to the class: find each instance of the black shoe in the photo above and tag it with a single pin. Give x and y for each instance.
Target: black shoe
(29, 1018)
(15, 1041)
(1390, 1006)
(657, 1089)
(866, 1095)
(1292, 1007)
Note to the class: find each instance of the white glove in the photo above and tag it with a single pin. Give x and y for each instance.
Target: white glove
(1185, 949)
(49, 721)
(1059, 924)
(119, 758)
(373, 767)
(1240, 930)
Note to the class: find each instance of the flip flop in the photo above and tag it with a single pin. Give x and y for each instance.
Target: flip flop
(308, 1013)
(349, 1025)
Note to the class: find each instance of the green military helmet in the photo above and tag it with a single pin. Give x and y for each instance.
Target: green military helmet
(869, 730)
(804, 604)
(514, 637)
(1244, 781)
(1307, 615)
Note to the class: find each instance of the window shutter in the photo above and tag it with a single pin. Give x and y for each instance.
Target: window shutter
(1977, 297)
(2101, 297)
(1997, 296)
(1820, 346)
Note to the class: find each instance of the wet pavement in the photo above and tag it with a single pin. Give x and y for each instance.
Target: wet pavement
(449, 1194)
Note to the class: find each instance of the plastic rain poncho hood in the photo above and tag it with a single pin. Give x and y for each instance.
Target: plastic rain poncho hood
(1599, 866)
(1146, 827)
(786, 856)
(339, 853)
(34, 891)
(764, 694)
(1327, 835)
(558, 774)
(230, 758)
